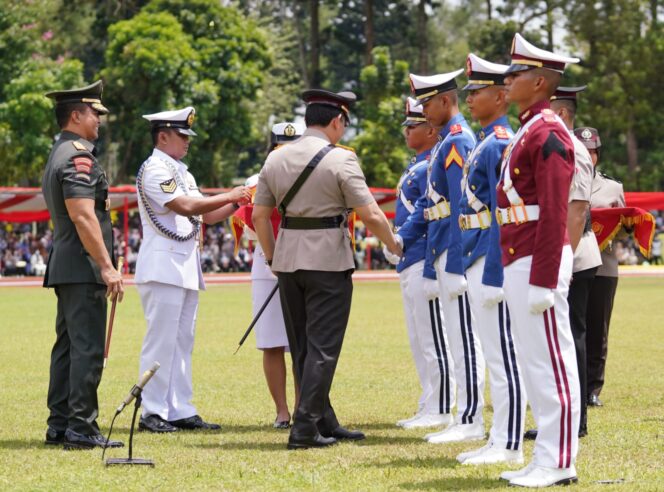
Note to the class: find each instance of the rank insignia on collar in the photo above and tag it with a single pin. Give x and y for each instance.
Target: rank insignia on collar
(454, 129)
(501, 132)
(168, 186)
(78, 145)
(548, 115)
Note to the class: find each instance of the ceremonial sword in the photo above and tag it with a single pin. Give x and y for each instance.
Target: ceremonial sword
(255, 320)
(112, 317)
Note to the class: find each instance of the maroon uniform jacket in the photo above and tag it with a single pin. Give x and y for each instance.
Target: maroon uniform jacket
(541, 168)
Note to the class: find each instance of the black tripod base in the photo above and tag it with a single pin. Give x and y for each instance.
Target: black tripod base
(129, 461)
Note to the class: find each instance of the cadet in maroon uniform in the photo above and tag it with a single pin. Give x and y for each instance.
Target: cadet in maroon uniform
(535, 180)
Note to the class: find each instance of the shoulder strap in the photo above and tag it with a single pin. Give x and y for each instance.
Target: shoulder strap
(304, 175)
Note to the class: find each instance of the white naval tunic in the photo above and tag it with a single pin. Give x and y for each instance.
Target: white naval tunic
(168, 278)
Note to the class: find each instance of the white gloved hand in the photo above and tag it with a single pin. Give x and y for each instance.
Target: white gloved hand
(431, 288)
(539, 299)
(392, 258)
(491, 296)
(454, 284)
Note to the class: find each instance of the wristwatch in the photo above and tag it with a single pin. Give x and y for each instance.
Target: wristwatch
(236, 205)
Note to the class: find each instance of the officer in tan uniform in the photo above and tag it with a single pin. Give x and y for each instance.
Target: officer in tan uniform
(314, 183)
(606, 193)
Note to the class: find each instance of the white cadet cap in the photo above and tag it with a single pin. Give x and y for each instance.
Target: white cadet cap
(177, 119)
(414, 113)
(526, 56)
(482, 73)
(286, 132)
(425, 87)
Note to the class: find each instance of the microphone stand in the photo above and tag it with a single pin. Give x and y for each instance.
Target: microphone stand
(130, 460)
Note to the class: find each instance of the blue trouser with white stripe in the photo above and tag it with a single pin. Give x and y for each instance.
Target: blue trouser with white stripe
(508, 397)
(466, 351)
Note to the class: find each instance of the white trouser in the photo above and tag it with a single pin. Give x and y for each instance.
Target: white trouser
(428, 343)
(545, 350)
(492, 326)
(170, 313)
(466, 351)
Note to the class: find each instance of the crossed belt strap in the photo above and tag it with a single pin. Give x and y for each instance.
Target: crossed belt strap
(480, 220)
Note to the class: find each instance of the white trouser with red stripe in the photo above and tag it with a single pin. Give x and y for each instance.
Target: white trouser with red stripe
(466, 351)
(493, 327)
(545, 351)
(428, 343)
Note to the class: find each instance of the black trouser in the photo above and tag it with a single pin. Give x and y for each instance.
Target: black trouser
(316, 307)
(77, 357)
(577, 298)
(600, 306)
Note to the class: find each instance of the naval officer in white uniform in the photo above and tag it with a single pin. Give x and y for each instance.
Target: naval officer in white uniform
(168, 270)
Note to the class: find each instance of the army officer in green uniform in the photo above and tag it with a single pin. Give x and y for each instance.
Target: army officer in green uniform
(80, 268)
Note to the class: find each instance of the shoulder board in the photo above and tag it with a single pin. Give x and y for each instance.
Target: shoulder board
(346, 148)
(548, 115)
(608, 177)
(454, 129)
(78, 145)
(501, 132)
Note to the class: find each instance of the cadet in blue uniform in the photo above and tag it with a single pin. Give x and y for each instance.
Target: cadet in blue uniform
(483, 265)
(437, 214)
(423, 317)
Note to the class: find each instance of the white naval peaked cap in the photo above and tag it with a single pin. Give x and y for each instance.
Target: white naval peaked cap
(482, 73)
(177, 119)
(526, 56)
(414, 113)
(424, 87)
(286, 131)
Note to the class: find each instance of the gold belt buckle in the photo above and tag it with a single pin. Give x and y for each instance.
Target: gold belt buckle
(499, 217)
(462, 222)
(521, 206)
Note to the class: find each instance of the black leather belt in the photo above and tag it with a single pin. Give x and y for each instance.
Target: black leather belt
(304, 223)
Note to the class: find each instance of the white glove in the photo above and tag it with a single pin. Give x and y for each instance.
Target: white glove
(539, 299)
(454, 284)
(392, 258)
(431, 289)
(490, 296)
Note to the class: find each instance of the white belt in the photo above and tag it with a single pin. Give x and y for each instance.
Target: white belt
(517, 214)
(480, 220)
(438, 211)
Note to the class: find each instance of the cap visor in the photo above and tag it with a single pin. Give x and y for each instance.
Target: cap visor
(408, 122)
(518, 68)
(99, 108)
(474, 87)
(186, 131)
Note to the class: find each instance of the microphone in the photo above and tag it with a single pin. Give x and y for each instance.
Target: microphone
(138, 387)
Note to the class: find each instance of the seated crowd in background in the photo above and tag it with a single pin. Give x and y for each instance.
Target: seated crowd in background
(24, 248)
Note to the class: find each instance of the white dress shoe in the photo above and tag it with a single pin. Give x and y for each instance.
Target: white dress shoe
(400, 423)
(458, 433)
(542, 476)
(429, 420)
(495, 455)
(467, 454)
(509, 475)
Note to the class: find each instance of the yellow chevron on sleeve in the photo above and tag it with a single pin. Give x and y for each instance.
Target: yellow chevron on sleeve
(453, 157)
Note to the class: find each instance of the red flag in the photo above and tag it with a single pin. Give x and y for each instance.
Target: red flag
(242, 217)
(607, 222)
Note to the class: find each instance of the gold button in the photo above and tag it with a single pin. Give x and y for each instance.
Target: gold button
(433, 183)
(511, 251)
(473, 187)
(433, 251)
(516, 171)
(410, 182)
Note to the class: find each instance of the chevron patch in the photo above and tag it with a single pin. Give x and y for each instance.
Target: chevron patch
(168, 186)
(453, 157)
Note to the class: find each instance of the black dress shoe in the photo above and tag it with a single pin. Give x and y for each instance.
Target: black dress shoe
(594, 401)
(193, 423)
(316, 441)
(154, 423)
(530, 435)
(343, 434)
(54, 437)
(74, 440)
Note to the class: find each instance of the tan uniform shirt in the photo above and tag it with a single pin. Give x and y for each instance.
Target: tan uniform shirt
(607, 193)
(337, 184)
(586, 254)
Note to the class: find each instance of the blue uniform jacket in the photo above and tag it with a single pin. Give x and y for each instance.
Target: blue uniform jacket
(412, 185)
(456, 141)
(483, 171)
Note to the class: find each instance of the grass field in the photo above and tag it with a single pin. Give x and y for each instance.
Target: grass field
(375, 385)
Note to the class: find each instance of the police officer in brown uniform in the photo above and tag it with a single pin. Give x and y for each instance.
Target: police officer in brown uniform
(606, 193)
(314, 183)
(80, 268)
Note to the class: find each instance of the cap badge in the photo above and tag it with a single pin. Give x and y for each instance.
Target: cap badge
(586, 134)
(289, 131)
(469, 67)
(190, 119)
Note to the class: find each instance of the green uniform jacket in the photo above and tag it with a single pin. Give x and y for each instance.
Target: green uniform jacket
(72, 171)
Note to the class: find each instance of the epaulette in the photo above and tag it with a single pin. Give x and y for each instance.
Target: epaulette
(548, 115)
(454, 129)
(501, 132)
(345, 147)
(608, 177)
(78, 145)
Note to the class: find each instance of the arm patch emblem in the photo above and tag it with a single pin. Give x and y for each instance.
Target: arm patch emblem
(453, 157)
(455, 129)
(501, 132)
(83, 164)
(168, 186)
